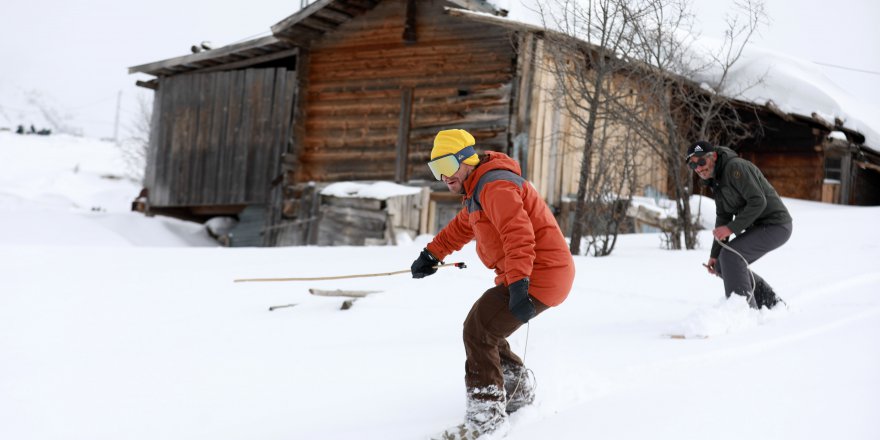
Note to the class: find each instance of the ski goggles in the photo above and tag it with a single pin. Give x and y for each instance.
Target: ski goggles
(698, 163)
(448, 164)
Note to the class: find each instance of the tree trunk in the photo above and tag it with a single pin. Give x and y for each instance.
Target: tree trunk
(577, 226)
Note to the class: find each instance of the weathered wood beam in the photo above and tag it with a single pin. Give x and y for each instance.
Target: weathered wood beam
(284, 25)
(778, 111)
(332, 13)
(251, 61)
(867, 165)
(821, 121)
(151, 84)
(322, 25)
(346, 293)
(204, 56)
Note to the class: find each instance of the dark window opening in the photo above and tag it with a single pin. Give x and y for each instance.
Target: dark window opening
(833, 167)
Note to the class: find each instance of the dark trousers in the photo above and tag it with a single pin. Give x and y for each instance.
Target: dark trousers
(486, 328)
(752, 244)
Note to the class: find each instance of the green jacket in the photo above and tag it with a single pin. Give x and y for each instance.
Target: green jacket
(743, 196)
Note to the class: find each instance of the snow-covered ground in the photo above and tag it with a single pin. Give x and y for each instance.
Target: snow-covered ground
(117, 326)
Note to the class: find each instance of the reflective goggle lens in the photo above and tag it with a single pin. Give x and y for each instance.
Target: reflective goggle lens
(444, 166)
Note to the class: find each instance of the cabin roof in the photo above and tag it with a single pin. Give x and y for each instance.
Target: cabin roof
(297, 30)
(223, 56)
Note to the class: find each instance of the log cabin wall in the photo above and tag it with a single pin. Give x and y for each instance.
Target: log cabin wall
(374, 102)
(793, 174)
(790, 155)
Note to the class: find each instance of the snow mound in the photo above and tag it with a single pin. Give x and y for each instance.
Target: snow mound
(727, 316)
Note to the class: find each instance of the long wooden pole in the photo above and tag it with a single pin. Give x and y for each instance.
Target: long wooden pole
(459, 265)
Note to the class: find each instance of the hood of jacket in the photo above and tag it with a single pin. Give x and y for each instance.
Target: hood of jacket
(725, 154)
(491, 160)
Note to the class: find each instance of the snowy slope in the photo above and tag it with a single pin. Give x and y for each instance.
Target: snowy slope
(120, 328)
(65, 190)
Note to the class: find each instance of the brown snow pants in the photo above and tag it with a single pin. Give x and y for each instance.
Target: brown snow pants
(486, 328)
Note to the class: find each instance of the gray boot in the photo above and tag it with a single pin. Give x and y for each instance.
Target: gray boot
(519, 383)
(484, 415)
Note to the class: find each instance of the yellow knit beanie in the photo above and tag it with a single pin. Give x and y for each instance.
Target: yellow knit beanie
(453, 141)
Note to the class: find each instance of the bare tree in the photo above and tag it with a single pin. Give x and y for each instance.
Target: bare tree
(60, 122)
(682, 110)
(587, 47)
(610, 187)
(718, 120)
(136, 145)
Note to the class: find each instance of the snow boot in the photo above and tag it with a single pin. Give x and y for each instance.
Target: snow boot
(519, 383)
(486, 411)
(764, 294)
(484, 418)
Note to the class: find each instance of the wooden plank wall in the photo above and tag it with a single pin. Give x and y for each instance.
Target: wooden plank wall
(555, 146)
(219, 137)
(457, 74)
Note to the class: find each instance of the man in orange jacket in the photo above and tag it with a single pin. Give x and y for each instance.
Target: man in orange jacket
(519, 238)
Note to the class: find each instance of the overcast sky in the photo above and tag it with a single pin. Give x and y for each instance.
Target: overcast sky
(73, 56)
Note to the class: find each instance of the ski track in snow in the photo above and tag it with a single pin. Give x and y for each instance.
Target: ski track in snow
(863, 280)
(645, 374)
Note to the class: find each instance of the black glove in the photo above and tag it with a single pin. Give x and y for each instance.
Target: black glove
(424, 265)
(520, 304)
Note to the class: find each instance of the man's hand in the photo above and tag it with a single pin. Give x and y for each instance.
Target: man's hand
(424, 265)
(721, 233)
(520, 304)
(710, 266)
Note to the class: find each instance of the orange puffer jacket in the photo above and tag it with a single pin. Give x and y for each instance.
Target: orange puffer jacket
(516, 233)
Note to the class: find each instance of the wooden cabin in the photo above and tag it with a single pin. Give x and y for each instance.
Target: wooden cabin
(356, 90)
(806, 157)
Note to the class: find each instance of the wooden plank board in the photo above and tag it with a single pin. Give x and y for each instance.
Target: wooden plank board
(217, 137)
(202, 145)
(237, 168)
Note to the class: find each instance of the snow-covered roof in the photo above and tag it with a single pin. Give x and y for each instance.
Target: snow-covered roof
(789, 84)
(376, 190)
(796, 87)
